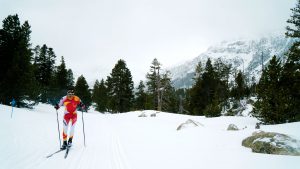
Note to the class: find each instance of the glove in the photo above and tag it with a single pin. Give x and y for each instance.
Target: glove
(82, 106)
(56, 106)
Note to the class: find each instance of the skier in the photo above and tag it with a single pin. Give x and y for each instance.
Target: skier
(70, 101)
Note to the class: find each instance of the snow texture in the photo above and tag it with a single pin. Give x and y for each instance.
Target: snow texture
(125, 141)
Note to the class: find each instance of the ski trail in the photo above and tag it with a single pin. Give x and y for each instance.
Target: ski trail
(104, 148)
(118, 158)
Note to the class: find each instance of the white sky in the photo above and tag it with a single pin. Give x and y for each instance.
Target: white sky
(93, 35)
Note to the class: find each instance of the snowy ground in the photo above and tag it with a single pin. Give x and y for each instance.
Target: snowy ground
(126, 141)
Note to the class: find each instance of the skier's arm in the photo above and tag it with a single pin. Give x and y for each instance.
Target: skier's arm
(61, 102)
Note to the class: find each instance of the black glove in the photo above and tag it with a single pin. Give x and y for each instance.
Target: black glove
(56, 106)
(82, 106)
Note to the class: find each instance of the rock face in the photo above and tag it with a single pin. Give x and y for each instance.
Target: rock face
(232, 127)
(243, 54)
(189, 123)
(272, 143)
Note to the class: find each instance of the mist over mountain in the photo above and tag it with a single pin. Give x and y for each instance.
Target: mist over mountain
(247, 55)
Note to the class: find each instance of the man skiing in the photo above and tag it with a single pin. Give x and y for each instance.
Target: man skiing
(70, 101)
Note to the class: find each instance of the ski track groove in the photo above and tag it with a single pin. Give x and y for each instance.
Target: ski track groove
(106, 153)
(118, 157)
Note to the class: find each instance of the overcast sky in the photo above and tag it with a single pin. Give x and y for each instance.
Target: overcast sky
(93, 35)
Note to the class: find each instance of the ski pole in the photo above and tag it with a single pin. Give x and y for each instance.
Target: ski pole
(83, 127)
(12, 110)
(58, 129)
(13, 102)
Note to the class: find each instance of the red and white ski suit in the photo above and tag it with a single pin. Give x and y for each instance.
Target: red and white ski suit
(70, 114)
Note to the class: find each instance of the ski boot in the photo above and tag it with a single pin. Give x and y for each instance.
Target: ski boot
(64, 146)
(70, 142)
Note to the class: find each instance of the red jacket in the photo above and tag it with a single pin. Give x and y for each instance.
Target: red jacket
(70, 104)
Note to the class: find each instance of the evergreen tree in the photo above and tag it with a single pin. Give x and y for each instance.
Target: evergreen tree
(62, 77)
(44, 61)
(82, 91)
(210, 90)
(240, 87)
(213, 109)
(290, 82)
(202, 93)
(168, 97)
(16, 71)
(222, 78)
(270, 107)
(154, 85)
(70, 78)
(100, 96)
(198, 72)
(293, 29)
(120, 88)
(141, 97)
(253, 86)
(210, 82)
(291, 69)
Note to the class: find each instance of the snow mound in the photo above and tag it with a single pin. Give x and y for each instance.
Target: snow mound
(232, 127)
(143, 114)
(189, 123)
(148, 113)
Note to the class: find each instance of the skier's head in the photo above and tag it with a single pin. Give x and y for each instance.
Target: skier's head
(70, 92)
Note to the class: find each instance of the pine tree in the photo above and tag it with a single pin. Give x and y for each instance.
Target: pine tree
(211, 90)
(70, 78)
(290, 82)
(44, 60)
(154, 85)
(100, 96)
(198, 72)
(239, 90)
(62, 78)
(141, 97)
(168, 95)
(16, 71)
(223, 71)
(210, 83)
(291, 71)
(293, 30)
(203, 91)
(270, 107)
(120, 88)
(82, 91)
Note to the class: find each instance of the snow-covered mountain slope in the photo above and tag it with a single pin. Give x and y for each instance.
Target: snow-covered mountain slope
(126, 141)
(243, 54)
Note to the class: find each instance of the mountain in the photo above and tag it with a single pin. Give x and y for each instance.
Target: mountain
(243, 54)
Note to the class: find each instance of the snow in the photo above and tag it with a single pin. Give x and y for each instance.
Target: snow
(126, 141)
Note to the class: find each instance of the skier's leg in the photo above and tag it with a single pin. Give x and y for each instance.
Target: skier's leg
(72, 128)
(65, 126)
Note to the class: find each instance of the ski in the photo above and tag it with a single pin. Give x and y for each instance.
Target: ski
(67, 151)
(50, 155)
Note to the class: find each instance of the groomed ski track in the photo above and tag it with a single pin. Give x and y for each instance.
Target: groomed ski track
(103, 146)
